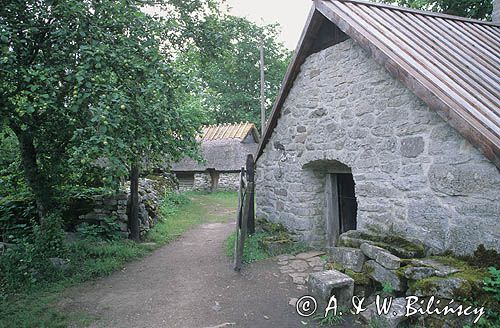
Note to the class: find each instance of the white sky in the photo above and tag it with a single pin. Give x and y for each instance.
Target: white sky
(290, 14)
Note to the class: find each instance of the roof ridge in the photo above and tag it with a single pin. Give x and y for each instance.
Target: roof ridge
(417, 11)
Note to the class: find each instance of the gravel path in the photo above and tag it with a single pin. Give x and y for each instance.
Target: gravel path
(190, 284)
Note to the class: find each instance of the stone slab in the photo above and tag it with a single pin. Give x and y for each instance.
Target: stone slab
(384, 275)
(350, 258)
(323, 285)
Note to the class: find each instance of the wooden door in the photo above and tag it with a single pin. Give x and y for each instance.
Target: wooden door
(347, 202)
(341, 206)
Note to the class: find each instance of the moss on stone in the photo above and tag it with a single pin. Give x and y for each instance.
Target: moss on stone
(360, 278)
(426, 285)
(468, 272)
(393, 243)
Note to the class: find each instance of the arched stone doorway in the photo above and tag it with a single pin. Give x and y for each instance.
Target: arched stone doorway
(340, 198)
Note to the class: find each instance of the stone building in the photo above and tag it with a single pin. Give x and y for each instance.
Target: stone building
(224, 149)
(388, 120)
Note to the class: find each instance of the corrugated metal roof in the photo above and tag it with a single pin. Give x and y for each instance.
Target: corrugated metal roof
(451, 63)
(228, 131)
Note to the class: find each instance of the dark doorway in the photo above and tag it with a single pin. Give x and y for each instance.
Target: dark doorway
(347, 202)
(341, 206)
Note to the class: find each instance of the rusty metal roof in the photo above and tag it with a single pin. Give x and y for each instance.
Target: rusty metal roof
(228, 131)
(451, 63)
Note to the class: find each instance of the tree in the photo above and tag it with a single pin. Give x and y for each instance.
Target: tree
(88, 89)
(228, 82)
(478, 9)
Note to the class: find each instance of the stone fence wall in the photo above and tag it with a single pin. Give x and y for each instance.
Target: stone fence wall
(115, 206)
(228, 181)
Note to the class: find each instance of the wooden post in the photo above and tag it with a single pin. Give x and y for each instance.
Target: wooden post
(250, 194)
(237, 258)
(332, 210)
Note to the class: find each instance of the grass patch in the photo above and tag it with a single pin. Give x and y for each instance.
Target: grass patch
(35, 305)
(255, 249)
(195, 208)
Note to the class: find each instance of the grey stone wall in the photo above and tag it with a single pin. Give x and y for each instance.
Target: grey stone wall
(495, 16)
(229, 181)
(414, 174)
(202, 181)
(115, 206)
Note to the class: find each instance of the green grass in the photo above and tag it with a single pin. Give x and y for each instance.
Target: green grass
(200, 208)
(255, 251)
(35, 306)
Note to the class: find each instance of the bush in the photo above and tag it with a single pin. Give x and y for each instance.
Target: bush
(107, 229)
(171, 203)
(28, 261)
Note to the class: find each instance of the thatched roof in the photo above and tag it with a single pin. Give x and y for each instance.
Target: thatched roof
(229, 131)
(224, 148)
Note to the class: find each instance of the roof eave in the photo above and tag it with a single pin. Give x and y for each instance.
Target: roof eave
(478, 136)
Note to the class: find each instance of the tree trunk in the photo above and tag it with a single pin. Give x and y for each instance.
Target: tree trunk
(133, 217)
(42, 190)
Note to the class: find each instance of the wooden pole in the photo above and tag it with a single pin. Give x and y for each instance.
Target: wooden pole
(251, 211)
(262, 86)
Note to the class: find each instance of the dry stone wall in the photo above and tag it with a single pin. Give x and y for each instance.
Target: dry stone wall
(414, 174)
(229, 181)
(115, 206)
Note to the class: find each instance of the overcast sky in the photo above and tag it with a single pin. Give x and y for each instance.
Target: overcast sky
(290, 14)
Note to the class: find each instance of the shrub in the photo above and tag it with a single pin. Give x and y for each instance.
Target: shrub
(28, 261)
(107, 229)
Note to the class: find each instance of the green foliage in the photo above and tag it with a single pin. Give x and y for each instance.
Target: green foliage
(492, 283)
(479, 9)
(28, 261)
(28, 303)
(387, 289)
(252, 251)
(16, 212)
(331, 319)
(103, 71)
(180, 212)
(107, 229)
(255, 249)
(228, 83)
(171, 203)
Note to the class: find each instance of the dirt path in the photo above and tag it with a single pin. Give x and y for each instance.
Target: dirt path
(190, 284)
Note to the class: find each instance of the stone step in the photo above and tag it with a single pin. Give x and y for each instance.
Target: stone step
(322, 285)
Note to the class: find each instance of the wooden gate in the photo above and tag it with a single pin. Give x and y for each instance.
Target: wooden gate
(245, 220)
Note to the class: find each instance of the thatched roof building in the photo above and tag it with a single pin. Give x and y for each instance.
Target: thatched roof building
(224, 149)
